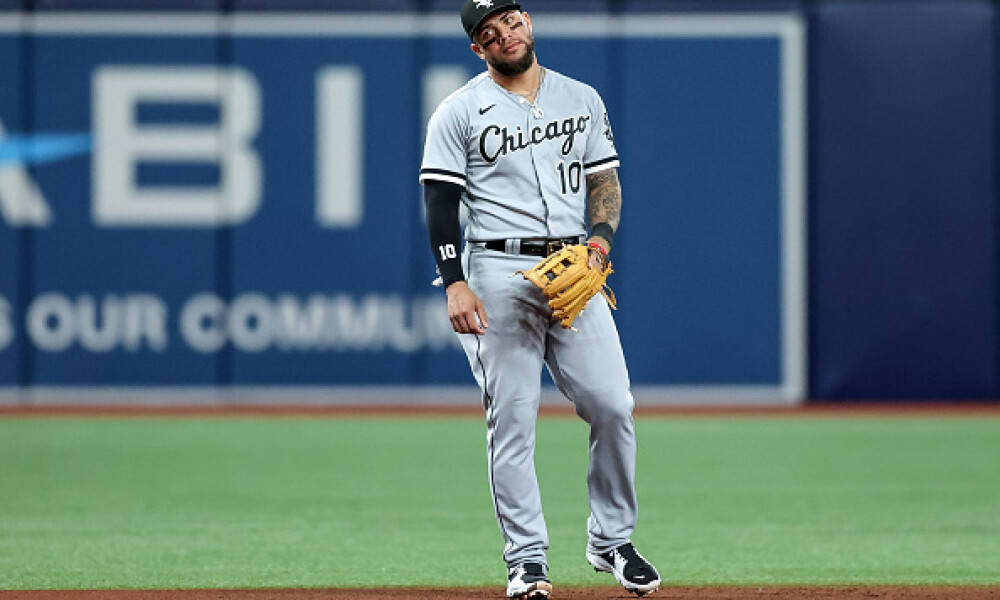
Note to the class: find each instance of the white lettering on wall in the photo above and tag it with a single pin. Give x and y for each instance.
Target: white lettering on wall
(339, 146)
(121, 143)
(250, 322)
(50, 322)
(300, 325)
(21, 202)
(202, 325)
(6, 326)
(129, 322)
(255, 323)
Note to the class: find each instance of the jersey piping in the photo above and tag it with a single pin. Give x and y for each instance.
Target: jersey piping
(428, 174)
(600, 165)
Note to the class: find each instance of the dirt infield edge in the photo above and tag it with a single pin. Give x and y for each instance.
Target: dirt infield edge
(845, 592)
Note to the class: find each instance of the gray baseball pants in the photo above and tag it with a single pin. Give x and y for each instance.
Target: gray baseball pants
(587, 366)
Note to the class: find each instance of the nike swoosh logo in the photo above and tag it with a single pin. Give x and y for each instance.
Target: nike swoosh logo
(482, 111)
(42, 148)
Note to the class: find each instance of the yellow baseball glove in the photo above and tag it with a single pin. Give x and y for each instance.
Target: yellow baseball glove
(569, 282)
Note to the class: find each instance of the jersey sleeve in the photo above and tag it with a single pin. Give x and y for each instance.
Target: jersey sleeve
(600, 153)
(444, 149)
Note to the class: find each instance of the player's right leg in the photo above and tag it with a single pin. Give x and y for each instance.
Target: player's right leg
(507, 362)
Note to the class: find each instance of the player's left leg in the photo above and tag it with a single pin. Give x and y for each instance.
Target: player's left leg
(588, 366)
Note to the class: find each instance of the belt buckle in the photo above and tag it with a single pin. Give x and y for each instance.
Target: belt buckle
(553, 246)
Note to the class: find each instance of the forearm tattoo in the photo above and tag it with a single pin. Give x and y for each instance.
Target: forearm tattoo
(604, 198)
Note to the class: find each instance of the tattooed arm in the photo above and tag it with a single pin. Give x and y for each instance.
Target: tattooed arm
(604, 206)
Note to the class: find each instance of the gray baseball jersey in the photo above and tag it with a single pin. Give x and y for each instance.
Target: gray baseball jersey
(522, 165)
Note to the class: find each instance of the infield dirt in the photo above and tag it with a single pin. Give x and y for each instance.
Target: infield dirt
(671, 593)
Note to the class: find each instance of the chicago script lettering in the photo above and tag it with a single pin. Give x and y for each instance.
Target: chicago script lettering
(496, 141)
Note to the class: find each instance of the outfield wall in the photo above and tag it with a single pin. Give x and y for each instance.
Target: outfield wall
(205, 197)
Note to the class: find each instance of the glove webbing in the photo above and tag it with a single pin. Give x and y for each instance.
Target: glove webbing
(566, 278)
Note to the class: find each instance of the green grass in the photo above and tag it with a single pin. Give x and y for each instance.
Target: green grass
(367, 502)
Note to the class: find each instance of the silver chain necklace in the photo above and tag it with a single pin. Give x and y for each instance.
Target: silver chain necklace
(536, 110)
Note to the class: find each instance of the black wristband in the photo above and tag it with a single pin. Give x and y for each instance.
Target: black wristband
(605, 231)
(451, 275)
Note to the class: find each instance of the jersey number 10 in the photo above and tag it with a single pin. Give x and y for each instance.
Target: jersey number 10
(570, 175)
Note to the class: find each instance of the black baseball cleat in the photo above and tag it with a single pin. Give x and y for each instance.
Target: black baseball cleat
(629, 567)
(528, 581)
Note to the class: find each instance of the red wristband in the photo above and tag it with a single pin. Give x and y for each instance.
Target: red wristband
(599, 248)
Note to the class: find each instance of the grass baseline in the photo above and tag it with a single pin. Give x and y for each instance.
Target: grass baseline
(373, 502)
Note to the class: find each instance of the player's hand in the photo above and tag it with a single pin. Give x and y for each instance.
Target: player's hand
(598, 260)
(465, 309)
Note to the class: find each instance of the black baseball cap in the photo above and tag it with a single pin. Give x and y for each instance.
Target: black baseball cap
(475, 11)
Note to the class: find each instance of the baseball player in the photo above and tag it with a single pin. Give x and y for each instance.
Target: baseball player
(531, 154)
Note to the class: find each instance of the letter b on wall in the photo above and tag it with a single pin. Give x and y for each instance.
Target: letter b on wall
(123, 143)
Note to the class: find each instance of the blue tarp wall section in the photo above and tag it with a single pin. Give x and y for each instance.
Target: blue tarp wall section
(900, 285)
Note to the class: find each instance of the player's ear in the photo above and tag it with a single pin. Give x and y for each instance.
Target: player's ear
(477, 50)
(527, 20)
